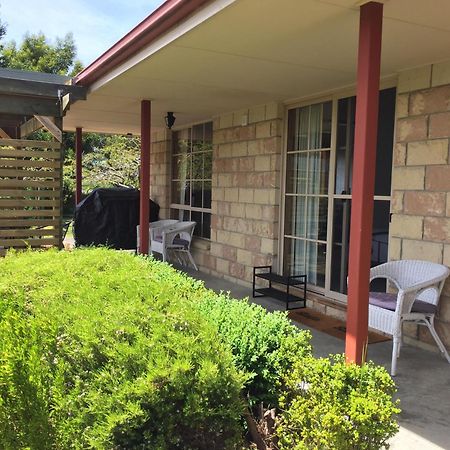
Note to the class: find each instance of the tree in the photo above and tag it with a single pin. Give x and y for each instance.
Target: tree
(37, 54)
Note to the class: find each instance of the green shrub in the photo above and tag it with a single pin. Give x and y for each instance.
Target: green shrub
(101, 349)
(264, 345)
(333, 405)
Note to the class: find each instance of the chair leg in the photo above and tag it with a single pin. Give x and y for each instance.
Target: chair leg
(395, 353)
(430, 325)
(192, 260)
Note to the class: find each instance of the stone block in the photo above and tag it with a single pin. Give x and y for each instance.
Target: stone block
(236, 239)
(216, 249)
(253, 211)
(270, 213)
(424, 203)
(428, 251)
(444, 309)
(229, 253)
(274, 111)
(269, 246)
(448, 205)
(222, 265)
(437, 229)
(441, 74)
(247, 133)
(406, 226)
(253, 243)
(237, 209)
(430, 101)
(223, 208)
(240, 118)
(408, 178)
(440, 125)
(399, 156)
(224, 151)
(264, 229)
(225, 180)
(442, 329)
(263, 130)
(263, 163)
(414, 79)
(246, 164)
(397, 202)
(226, 120)
(427, 153)
(395, 248)
(237, 270)
(244, 257)
(402, 105)
(262, 196)
(246, 195)
(239, 149)
(438, 178)
(257, 114)
(231, 194)
(412, 129)
(218, 193)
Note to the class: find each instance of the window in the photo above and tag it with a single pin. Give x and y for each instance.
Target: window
(191, 177)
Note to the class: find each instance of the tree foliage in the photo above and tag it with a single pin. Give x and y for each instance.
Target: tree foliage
(36, 53)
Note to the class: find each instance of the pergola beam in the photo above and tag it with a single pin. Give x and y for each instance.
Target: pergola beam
(29, 106)
(364, 163)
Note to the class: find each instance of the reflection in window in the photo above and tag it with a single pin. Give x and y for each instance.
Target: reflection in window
(191, 177)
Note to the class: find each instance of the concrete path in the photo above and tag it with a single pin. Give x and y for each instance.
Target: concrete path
(423, 378)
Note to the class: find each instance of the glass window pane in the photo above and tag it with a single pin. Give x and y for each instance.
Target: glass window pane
(296, 173)
(319, 169)
(295, 216)
(326, 124)
(315, 263)
(317, 218)
(197, 134)
(298, 123)
(206, 228)
(180, 192)
(294, 256)
(197, 218)
(207, 166)
(207, 194)
(197, 166)
(315, 126)
(196, 194)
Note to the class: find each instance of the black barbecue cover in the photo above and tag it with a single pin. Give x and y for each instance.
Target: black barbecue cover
(109, 216)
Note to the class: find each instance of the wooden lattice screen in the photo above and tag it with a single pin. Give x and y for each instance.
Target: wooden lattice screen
(30, 194)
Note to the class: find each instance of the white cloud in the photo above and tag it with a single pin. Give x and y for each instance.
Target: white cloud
(96, 25)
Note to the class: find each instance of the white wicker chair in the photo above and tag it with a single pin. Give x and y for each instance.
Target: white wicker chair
(153, 229)
(176, 238)
(419, 285)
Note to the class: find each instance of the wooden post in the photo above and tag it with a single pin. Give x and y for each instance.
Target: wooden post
(78, 170)
(364, 162)
(144, 207)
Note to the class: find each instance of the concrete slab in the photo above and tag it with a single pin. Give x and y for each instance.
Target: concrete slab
(423, 378)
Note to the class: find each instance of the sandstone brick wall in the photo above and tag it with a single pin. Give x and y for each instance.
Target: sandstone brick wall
(245, 191)
(160, 170)
(420, 227)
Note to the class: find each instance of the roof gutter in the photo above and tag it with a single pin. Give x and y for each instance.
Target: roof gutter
(157, 23)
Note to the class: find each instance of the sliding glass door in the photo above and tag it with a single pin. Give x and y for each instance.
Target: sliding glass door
(318, 191)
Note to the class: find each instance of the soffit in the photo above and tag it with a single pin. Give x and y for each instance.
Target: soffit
(257, 51)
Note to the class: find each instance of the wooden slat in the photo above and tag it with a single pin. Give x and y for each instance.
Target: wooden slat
(4, 134)
(20, 202)
(30, 143)
(16, 213)
(29, 233)
(28, 242)
(28, 223)
(18, 153)
(27, 163)
(29, 173)
(21, 193)
(47, 184)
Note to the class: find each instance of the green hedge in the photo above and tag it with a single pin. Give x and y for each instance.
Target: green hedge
(102, 349)
(264, 345)
(331, 405)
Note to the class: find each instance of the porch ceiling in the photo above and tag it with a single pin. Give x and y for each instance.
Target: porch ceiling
(252, 52)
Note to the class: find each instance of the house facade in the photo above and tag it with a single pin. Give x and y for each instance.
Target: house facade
(261, 154)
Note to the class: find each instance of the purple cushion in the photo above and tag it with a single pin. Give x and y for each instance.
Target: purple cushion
(389, 301)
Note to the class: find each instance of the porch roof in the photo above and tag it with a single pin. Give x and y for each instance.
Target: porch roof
(224, 55)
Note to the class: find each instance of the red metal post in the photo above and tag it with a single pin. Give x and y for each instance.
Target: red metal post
(145, 177)
(78, 172)
(364, 161)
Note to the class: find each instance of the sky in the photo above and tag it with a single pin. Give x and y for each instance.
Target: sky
(96, 24)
